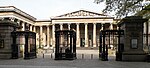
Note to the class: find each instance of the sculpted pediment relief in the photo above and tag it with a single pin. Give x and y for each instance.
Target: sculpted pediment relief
(82, 13)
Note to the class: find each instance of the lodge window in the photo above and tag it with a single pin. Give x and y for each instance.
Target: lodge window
(134, 43)
(1, 43)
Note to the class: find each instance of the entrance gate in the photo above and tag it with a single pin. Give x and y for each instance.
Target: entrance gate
(65, 45)
(24, 42)
(106, 36)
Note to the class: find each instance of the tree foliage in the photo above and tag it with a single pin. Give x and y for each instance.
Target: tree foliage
(123, 7)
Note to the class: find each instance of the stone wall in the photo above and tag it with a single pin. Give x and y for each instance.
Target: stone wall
(5, 32)
(133, 39)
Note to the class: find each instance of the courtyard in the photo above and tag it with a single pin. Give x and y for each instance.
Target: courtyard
(84, 63)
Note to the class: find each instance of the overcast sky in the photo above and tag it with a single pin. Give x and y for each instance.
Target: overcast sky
(44, 9)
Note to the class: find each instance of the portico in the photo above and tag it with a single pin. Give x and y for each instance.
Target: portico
(86, 24)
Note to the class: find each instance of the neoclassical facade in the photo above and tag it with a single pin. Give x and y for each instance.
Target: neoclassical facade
(87, 25)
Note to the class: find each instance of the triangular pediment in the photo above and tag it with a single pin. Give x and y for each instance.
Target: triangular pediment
(82, 13)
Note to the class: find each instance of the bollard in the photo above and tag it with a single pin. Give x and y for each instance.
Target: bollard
(43, 55)
(82, 56)
(91, 56)
(51, 55)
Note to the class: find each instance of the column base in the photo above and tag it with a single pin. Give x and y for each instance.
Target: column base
(86, 45)
(94, 45)
(53, 45)
(77, 45)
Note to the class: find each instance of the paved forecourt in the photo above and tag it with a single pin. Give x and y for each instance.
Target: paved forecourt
(79, 63)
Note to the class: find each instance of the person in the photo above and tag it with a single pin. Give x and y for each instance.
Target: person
(67, 50)
(111, 46)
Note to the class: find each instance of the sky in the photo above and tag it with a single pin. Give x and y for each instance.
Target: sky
(44, 9)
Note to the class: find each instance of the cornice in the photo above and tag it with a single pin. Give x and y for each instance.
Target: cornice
(16, 10)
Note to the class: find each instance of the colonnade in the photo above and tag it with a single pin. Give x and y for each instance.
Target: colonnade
(78, 33)
(51, 38)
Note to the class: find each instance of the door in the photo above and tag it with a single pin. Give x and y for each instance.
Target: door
(21, 51)
(82, 42)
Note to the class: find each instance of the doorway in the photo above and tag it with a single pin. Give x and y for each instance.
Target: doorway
(82, 41)
(21, 51)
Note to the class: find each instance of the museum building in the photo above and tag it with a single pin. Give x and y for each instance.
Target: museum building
(86, 24)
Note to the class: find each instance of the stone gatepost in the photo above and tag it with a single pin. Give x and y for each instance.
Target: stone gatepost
(6, 40)
(133, 38)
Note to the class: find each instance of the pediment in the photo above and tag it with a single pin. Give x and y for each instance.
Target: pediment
(82, 13)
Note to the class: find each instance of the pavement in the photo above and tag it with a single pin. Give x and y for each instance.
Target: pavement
(78, 63)
(82, 62)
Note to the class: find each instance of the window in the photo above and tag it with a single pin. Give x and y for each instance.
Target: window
(1, 43)
(134, 43)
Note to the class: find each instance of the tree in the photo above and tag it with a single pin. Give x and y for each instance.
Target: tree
(123, 8)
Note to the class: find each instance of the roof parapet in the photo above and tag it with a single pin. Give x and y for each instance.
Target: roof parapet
(14, 9)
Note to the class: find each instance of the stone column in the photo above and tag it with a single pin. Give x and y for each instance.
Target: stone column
(94, 34)
(69, 29)
(144, 28)
(41, 35)
(26, 26)
(68, 26)
(34, 28)
(111, 26)
(53, 35)
(23, 26)
(86, 34)
(48, 35)
(13, 19)
(102, 26)
(30, 27)
(148, 27)
(78, 35)
(18, 22)
(61, 26)
(111, 37)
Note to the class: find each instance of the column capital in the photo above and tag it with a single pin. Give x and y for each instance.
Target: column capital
(111, 23)
(2, 18)
(111, 26)
(102, 23)
(30, 25)
(47, 25)
(77, 23)
(69, 23)
(22, 22)
(12, 18)
(60, 23)
(40, 25)
(85, 23)
(94, 23)
(53, 24)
